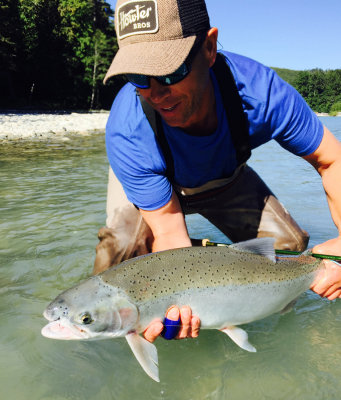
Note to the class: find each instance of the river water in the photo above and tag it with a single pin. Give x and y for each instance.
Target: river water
(53, 203)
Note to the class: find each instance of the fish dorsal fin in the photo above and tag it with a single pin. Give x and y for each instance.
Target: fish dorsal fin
(145, 353)
(307, 252)
(261, 246)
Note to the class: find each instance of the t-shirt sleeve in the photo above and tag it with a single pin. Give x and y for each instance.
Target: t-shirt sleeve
(134, 154)
(291, 121)
(275, 110)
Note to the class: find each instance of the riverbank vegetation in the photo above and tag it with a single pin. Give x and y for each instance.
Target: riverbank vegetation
(54, 55)
(321, 89)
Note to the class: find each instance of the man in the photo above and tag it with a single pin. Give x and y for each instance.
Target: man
(168, 52)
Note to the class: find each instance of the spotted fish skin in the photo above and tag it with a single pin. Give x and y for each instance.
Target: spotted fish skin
(217, 282)
(172, 271)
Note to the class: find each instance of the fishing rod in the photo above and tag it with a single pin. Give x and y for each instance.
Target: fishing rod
(282, 252)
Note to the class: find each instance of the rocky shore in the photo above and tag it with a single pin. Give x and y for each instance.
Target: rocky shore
(14, 125)
(338, 114)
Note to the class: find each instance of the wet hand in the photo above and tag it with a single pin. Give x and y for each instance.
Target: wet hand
(328, 282)
(189, 328)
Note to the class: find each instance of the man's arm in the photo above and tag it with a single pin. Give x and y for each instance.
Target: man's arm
(169, 230)
(326, 159)
(168, 226)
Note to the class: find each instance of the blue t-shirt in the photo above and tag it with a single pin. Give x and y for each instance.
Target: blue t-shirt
(274, 109)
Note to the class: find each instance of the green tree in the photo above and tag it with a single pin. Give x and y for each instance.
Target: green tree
(335, 108)
(28, 16)
(289, 75)
(302, 83)
(321, 89)
(104, 45)
(333, 85)
(10, 45)
(317, 97)
(89, 30)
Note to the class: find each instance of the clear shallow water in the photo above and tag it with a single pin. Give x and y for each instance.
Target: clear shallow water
(53, 202)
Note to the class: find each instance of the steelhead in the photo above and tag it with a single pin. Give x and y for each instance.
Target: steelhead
(224, 286)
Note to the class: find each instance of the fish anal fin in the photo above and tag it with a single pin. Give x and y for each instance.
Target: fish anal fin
(289, 307)
(145, 353)
(240, 337)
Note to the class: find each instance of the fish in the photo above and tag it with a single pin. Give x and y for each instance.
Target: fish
(224, 286)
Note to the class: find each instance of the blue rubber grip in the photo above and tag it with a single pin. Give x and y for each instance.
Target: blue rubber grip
(170, 328)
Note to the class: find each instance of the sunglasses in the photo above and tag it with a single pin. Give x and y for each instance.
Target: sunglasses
(143, 81)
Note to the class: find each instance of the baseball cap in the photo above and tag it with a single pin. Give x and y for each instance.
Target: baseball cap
(156, 36)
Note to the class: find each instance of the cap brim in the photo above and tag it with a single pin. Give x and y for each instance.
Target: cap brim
(151, 58)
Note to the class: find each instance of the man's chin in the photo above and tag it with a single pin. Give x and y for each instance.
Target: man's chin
(175, 121)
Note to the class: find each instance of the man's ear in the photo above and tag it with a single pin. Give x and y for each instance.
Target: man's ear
(210, 46)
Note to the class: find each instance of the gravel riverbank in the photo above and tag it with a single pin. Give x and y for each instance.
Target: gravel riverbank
(15, 125)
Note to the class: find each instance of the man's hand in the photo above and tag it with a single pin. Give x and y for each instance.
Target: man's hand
(190, 324)
(328, 282)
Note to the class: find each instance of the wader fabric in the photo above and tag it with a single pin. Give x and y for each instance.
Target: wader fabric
(242, 209)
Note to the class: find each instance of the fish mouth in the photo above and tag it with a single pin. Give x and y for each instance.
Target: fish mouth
(62, 329)
(48, 317)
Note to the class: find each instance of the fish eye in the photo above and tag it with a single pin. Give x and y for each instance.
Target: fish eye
(86, 318)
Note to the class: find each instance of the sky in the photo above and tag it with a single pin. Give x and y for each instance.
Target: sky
(294, 34)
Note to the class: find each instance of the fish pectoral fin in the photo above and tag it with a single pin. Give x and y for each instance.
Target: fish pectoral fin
(240, 337)
(145, 353)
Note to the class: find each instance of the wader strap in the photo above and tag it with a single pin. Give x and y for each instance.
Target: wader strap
(234, 109)
(155, 122)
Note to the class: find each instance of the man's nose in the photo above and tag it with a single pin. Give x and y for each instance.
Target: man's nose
(158, 92)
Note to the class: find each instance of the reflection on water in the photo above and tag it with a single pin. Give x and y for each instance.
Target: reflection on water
(52, 204)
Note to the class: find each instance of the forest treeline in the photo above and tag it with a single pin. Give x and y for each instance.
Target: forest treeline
(54, 55)
(321, 89)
